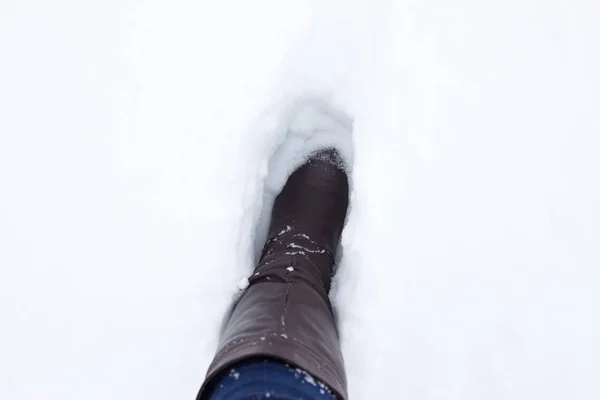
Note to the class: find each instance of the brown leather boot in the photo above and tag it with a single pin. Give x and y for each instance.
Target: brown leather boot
(308, 215)
(285, 312)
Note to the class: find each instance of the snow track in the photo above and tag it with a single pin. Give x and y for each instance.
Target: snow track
(137, 139)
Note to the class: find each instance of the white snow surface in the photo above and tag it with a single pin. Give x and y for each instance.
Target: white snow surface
(135, 139)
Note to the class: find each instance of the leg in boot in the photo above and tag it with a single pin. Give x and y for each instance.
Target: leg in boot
(284, 318)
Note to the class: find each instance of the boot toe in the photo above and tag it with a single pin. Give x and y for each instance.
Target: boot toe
(323, 170)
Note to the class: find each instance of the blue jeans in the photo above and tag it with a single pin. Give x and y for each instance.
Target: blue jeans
(265, 379)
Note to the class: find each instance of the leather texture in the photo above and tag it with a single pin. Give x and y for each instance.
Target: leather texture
(285, 312)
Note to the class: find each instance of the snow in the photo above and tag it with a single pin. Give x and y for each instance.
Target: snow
(244, 283)
(234, 374)
(307, 377)
(135, 139)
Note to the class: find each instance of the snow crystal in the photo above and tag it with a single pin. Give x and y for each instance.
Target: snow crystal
(295, 253)
(243, 284)
(285, 230)
(307, 377)
(296, 246)
(234, 374)
(290, 269)
(310, 380)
